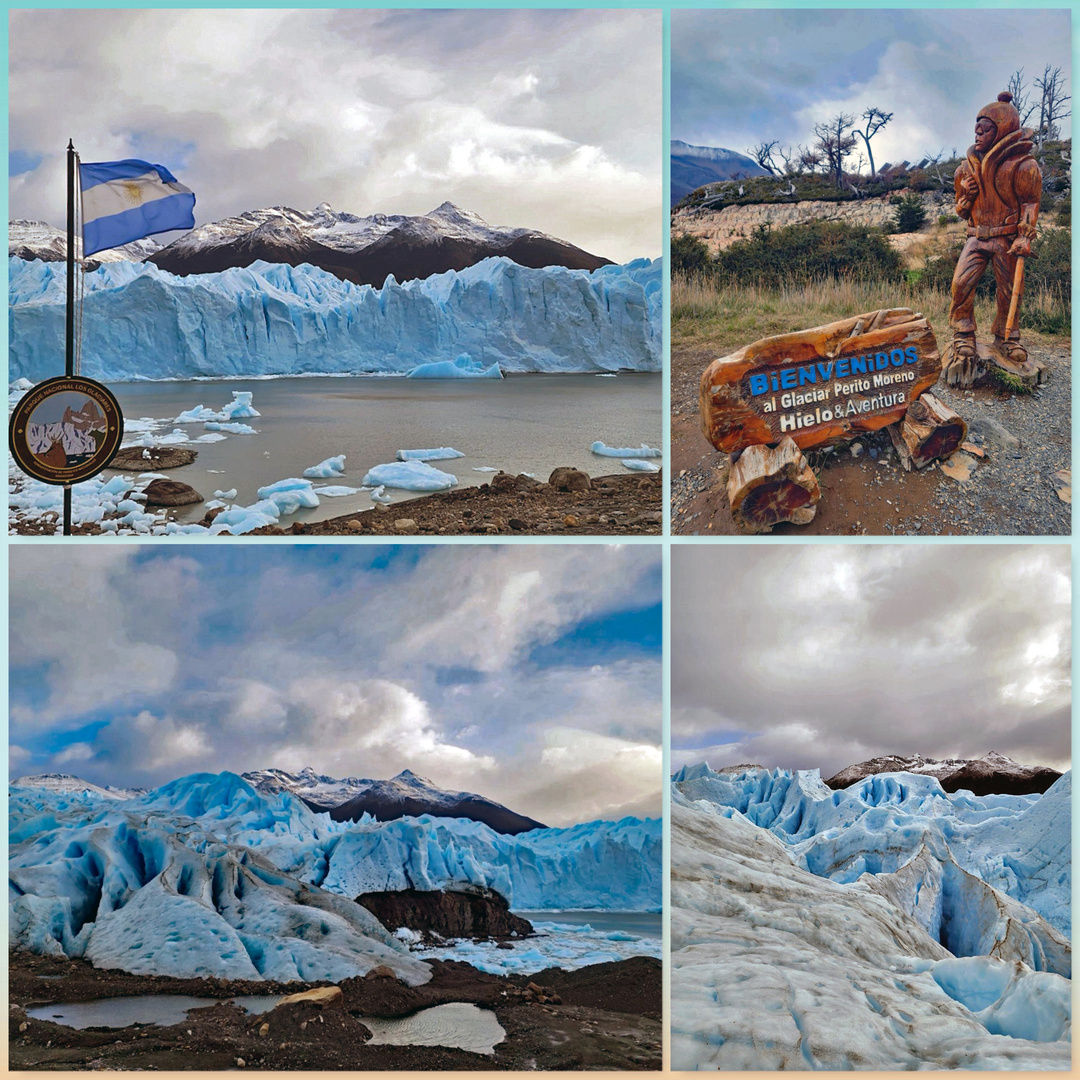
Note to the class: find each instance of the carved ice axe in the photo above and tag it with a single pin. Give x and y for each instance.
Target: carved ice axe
(1017, 290)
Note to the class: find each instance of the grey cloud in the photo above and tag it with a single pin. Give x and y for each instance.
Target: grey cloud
(546, 119)
(851, 651)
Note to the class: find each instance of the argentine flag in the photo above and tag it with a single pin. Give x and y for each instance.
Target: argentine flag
(127, 200)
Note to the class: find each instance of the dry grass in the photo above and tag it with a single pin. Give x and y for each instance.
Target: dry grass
(729, 317)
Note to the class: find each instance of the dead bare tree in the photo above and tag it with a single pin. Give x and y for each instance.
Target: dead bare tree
(1016, 86)
(835, 142)
(1051, 86)
(763, 155)
(875, 119)
(933, 167)
(809, 159)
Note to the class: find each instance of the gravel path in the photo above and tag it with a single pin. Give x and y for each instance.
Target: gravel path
(1013, 492)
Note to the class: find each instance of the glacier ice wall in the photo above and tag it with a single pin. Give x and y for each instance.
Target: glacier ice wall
(1019, 844)
(773, 967)
(273, 319)
(208, 876)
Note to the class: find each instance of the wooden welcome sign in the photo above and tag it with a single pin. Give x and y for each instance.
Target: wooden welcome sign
(821, 385)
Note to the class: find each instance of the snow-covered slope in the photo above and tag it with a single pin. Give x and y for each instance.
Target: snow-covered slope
(38, 240)
(403, 795)
(206, 875)
(992, 774)
(307, 784)
(364, 250)
(65, 782)
(272, 319)
(773, 967)
(1019, 844)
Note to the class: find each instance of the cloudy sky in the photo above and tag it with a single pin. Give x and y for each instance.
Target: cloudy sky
(528, 674)
(824, 656)
(547, 119)
(741, 77)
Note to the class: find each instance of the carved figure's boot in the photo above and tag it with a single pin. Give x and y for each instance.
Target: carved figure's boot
(964, 347)
(1012, 349)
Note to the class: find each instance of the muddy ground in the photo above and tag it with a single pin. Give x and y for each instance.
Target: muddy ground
(608, 1017)
(1012, 492)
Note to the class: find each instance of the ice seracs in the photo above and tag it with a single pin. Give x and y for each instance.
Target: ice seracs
(208, 876)
(140, 322)
(773, 967)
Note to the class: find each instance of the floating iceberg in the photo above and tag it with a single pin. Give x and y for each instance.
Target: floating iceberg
(640, 466)
(464, 367)
(439, 453)
(642, 451)
(334, 466)
(140, 322)
(410, 476)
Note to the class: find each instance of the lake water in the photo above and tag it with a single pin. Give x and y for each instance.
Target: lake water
(647, 924)
(121, 1012)
(456, 1025)
(525, 423)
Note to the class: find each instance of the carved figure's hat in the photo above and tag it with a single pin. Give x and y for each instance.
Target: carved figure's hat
(1002, 113)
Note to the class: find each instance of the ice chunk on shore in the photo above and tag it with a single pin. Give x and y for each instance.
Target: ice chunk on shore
(439, 453)
(290, 495)
(334, 466)
(641, 451)
(409, 476)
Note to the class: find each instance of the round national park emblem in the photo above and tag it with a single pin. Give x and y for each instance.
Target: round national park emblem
(65, 430)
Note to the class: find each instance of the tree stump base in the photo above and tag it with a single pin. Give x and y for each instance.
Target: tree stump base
(992, 368)
(929, 431)
(769, 485)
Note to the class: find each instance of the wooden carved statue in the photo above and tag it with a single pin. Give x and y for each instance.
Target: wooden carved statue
(997, 189)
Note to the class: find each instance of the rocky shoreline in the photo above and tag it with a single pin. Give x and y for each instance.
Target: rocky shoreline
(606, 1016)
(624, 504)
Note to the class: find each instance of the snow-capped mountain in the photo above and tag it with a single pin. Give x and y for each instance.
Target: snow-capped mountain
(694, 166)
(409, 795)
(992, 774)
(39, 240)
(364, 250)
(314, 788)
(65, 784)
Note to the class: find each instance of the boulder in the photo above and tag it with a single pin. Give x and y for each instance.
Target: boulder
(170, 493)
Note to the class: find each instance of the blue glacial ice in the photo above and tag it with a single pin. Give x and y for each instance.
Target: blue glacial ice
(409, 476)
(464, 367)
(333, 466)
(437, 453)
(206, 876)
(774, 967)
(273, 319)
(1019, 844)
(641, 451)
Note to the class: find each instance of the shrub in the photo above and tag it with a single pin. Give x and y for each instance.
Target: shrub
(689, 255)
(910, 215)
(801, 254)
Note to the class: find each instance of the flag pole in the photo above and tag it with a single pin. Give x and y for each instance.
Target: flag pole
(69, 323)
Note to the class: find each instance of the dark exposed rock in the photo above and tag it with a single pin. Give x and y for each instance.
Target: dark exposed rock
(149, 458)
(566, 479)
(170, 493)
(478, 913)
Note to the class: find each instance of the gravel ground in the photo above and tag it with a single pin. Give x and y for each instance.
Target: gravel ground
(1012, 492)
